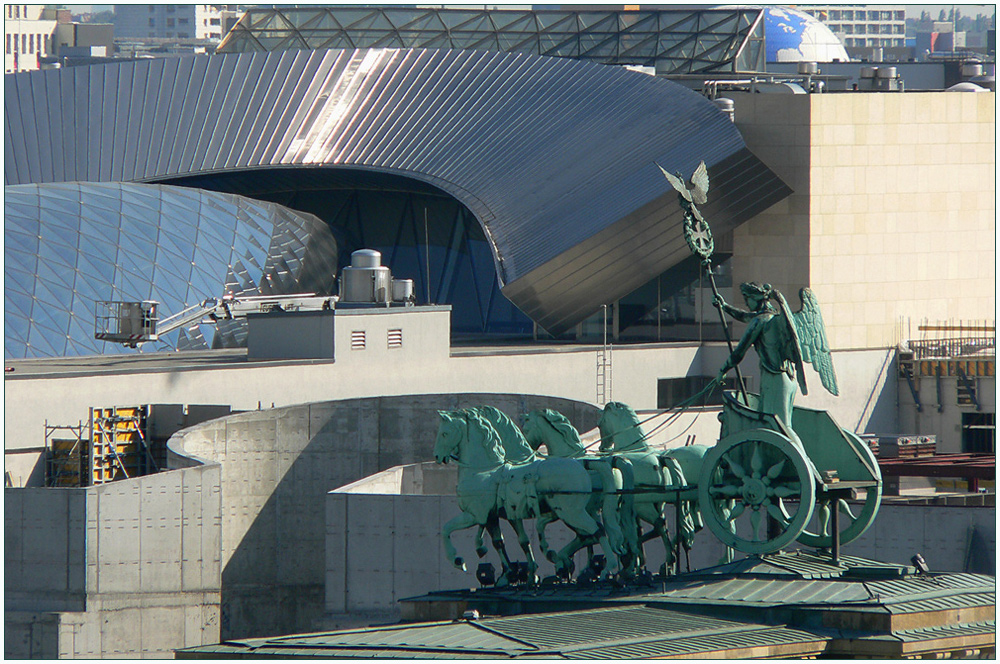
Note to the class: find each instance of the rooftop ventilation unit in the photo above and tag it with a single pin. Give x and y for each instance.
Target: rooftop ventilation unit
(367, 281)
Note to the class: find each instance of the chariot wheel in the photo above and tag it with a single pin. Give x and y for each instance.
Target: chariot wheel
(854, 519)
(756, 491)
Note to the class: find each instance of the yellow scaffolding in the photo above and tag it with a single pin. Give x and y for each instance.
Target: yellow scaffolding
(118, 448)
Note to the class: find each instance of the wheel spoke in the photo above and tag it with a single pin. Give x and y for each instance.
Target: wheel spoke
(736, 511)
(726, 490)
(755, 524)
(788, 490)
(776, 469)
(756, 461)
(735, 467)
(778, 514)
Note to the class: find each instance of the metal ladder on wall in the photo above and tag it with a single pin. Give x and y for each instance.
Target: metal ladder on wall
(604, 366)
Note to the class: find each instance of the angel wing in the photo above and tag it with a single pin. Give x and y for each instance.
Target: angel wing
(812, 339)
(699, 193)
(676, 182)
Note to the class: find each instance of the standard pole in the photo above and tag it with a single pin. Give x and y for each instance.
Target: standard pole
(707, 265)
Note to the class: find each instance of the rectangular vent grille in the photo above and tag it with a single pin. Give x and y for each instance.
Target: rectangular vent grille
(395, 338)
(358, 340)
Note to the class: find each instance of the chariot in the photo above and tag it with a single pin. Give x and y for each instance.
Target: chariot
(763, 486)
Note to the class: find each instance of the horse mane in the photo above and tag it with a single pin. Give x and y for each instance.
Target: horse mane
(625, 419)
(561, 424)
(515, 447)
(491, 439)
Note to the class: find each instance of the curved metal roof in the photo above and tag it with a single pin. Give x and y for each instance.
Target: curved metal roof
(554, 157)
(67, 246)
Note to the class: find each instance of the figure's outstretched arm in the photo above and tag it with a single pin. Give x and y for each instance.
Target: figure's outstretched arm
(751, 334)
(741, 315)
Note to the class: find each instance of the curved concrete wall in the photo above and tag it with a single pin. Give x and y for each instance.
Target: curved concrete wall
(278, 466)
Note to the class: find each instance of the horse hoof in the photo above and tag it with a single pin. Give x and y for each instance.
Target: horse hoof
(550, 556)
(481, 552)
(460, 564)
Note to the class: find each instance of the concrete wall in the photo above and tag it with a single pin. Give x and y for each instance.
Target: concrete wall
(945, 424)
(277, 467)
(564, 372)
(125, 569)
(894, 211)
(385, 547)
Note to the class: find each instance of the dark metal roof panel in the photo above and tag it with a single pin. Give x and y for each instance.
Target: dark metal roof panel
(555, 158)
(951, 601)
(933, 585)
(768, 591)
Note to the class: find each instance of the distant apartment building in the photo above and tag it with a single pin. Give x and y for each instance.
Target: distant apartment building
(171, 21)
(27, 37)
(863, 26)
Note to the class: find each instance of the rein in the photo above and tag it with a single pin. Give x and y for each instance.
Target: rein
(680, 409)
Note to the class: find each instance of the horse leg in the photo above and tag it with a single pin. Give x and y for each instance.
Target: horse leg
(522, 539)
(588, 532)
(540, 524)
(496, 536)
(480, 544)
(460, 522)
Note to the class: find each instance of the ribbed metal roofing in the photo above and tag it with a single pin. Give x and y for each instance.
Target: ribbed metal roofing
(912, 587)
(618, 624)
(555, 158)
(749, 637)
(767, 592)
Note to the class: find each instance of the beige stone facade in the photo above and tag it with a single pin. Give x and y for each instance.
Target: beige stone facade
(893, 217)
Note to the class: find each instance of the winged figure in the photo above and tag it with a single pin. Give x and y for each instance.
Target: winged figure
(697, 191)
(812, 339)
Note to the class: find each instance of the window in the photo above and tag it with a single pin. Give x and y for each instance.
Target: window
(31, 43)
(979, 433)
(872, 16)
(152, 22)
(8, 43)
(170, 22)
(848, 29)
(182, 21)
(24, 43)
(17, 11)
(673, 391)
(395, 338)
(357, 340)
(213, 21)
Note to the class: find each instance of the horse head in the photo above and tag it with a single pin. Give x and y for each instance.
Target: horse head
(467, 436)
(552, 429)
(620, 428)
(450, 435)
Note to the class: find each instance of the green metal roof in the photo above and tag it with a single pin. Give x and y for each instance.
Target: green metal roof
(692, 615)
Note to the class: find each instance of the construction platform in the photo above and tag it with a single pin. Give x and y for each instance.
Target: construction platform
(787, 605)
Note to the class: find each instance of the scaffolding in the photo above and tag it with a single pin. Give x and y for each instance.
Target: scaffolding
(65, 455)
(118, 447)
